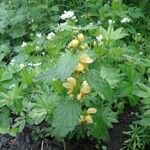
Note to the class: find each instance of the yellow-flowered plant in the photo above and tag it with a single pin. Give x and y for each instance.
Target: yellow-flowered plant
(76, 43)
(85, 89)
(70, 85)
(84, 60)
(88, 117)
(91, 111)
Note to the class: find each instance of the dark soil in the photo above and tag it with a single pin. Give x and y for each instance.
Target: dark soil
(116, 135)
(24, 141)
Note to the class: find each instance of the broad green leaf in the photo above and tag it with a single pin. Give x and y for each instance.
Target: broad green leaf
(47, 75)
(65, 117)
(66, 65)
(100, 85)
(6, 75)
(111, 75)
(43, 107)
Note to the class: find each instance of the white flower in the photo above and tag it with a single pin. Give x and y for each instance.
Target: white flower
(110, 21)
(43, 53)
(50, 36)
(22, 66)
(37, 47)
(34, 64)
(99, 38)
(68, 15)
(37, 64)
(125, 20)
(24, 44)
(12, 62)
(12, 86)
(61, 27)
(39, 35)
(140, 53)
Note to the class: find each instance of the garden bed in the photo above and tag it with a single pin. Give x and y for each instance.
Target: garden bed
(25, 141)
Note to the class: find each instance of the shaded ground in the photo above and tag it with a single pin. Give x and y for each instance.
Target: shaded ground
(24, 141)
(116, 136)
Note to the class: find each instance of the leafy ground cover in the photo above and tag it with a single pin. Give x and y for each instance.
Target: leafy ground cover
(74, 74)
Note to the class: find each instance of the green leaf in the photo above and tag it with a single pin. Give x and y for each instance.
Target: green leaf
(4, 118)
(4, 99)
(100, 85)
(66, 65)
(47, 75)
(143, 91)
(124, 89)
(103, 120)
(63, 69)
(111, 75)
(42, 108)
(66, 117)
(6, 75)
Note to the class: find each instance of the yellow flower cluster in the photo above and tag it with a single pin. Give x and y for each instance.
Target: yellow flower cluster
(76, 43)
(84, 60)
(88, 117)
(70, 85)
(85, 89)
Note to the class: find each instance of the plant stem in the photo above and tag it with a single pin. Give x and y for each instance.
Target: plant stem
(64, 144)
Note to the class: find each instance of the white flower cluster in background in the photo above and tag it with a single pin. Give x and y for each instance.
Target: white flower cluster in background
(61, 27)
(34, 64)
(12, 86)
(110, 21)
(39, 35)
(100, 39)
(125, 20)
(50, 36)
(12, 62)
(68, 15)
(24, 44)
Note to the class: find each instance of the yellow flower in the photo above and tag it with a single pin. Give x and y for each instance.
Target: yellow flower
(79, 67)
(70, 84)
(80, 96)
(85, 89)
(82, 47)
(74, 43)
(80, 37)
(85, 59)
(88, 119)
(91, 111)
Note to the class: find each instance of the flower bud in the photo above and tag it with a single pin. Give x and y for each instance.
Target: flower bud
(79, 67)
(80, 37)
(91, 111)
(74, 43)
(88, 119)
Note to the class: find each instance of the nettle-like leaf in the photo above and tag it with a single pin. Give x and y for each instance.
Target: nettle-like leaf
(100, 85)
(66, 65)
(111, 75)
(65, 117)
(63, 69)
(103, 120)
